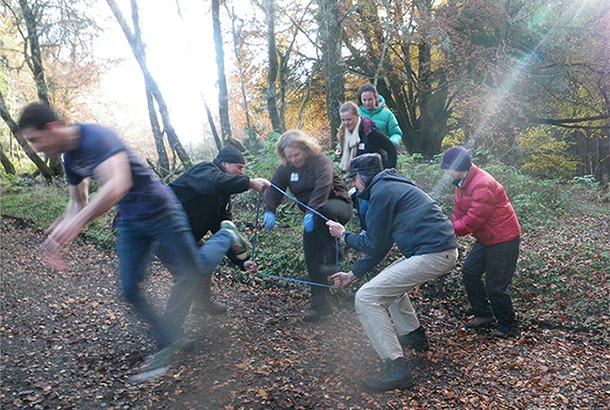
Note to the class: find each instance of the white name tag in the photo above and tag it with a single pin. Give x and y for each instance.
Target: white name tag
(294, 177)
(361, 146)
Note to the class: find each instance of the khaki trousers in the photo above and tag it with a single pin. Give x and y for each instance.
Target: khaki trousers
(385, 298)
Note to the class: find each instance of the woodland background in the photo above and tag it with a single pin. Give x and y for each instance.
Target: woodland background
(523, 83)
(528, 80)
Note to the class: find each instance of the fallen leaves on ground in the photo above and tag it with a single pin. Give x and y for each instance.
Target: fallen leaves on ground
(70, 342)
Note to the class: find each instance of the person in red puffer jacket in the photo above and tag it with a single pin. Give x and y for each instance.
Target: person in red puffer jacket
(481, 208)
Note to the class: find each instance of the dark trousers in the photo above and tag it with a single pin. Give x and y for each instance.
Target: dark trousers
(171, 236)
(498, 262)
(320, 250)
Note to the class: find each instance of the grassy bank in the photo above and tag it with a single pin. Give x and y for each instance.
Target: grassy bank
(562, 276)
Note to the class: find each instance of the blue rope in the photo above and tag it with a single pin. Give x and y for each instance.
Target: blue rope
(299, 202)
(258, 208)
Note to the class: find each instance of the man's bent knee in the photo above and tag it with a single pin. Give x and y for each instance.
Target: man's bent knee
(365, 299)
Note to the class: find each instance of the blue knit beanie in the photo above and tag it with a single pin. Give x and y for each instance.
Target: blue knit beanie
(457, 158)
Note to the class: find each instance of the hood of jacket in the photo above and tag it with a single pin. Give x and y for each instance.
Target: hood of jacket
(387, 174)
(379, 108)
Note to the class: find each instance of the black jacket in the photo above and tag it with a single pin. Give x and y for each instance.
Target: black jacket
(400, 213)
(205, 192)
(373, 140)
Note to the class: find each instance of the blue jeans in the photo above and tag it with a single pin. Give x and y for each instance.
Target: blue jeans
(498, 262)
(188, 265)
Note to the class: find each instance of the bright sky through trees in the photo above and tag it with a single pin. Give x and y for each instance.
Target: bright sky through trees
(180, 56)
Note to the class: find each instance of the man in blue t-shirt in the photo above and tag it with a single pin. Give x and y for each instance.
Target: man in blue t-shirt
(148, 213)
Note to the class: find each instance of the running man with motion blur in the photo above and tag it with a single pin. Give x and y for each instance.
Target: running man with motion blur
(148, 212)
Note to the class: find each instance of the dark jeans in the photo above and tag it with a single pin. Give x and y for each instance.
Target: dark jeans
(498, 262)
(188, 267)
(320, 251)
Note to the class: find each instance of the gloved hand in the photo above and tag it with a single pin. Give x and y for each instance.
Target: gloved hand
(396, 139)
(308, 223)
(268, 220)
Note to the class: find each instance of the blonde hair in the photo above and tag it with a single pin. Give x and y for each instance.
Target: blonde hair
(346, 107)
(296, 139)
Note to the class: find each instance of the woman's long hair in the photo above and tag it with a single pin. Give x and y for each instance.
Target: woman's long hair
(296, 139)
(345, 107)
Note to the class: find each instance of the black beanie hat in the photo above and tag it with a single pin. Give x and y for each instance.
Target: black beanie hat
(231, 155)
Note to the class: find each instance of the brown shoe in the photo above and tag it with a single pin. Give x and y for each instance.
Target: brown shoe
(479, 322)
(210, 307)
(512, 332)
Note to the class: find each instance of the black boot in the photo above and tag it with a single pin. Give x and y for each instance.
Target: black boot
(416, 340)
(394, 374)
(203, 303)
(315, 315)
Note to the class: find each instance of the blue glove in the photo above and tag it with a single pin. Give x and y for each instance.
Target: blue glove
(308, 223)
(268, 220)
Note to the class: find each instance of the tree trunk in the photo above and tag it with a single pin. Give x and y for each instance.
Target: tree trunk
(423, 79)
(12, 125)
(223, 97)
(330, 42)
(35, 64)
(236, 31)
(212, 126)
(276, 124)
(6, 162)
(137, 47)
(162, 161)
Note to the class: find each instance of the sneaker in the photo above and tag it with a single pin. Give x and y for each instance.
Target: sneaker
(315, 315)
(157, 364)
(240, 245)
(416, 340)
(394, 374)
(512, 332)
(209, 306)
(479, 322)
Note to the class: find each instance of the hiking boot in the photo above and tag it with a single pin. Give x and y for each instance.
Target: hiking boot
(479, 322)
(209, 306)
(512, 332)
(394, 374)
(416, 340)
(314, 315)
(240, 245)
(156, 364)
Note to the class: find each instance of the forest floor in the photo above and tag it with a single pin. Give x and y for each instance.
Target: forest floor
(69, 342)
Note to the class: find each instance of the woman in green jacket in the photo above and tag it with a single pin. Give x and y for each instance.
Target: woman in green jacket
(372, 105)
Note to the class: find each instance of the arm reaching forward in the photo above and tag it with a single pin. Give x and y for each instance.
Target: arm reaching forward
(114, 177)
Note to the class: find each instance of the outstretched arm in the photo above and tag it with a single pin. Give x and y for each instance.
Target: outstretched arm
(259, 184)
(114, 177)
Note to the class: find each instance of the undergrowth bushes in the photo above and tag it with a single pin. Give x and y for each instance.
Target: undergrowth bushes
(568, 288)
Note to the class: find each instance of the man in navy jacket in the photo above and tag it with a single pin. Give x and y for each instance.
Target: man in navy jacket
(401, 214)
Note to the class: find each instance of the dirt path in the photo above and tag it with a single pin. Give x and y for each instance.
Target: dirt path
(68, 341)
